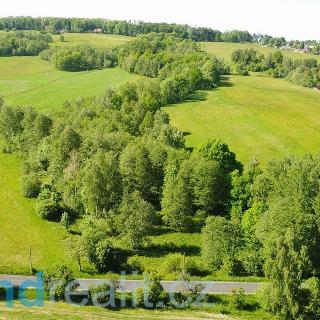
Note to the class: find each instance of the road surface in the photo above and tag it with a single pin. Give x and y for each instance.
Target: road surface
(212, 287)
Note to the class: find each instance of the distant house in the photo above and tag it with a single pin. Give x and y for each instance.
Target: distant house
(97, 30)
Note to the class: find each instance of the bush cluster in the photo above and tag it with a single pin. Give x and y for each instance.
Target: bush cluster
(21, 43)
(79, 58)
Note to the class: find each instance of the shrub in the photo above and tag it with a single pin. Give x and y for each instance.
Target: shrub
(220, 241)
(188, 295)
(252, 262)
(136, 264)
(140, 297)
(232, 267)
(58, 278)
(191, 267)
(103, 294)
(238, 299)
(173, 263)
(48, 204)
(303, 76)
(107, 258)
(152, 292)
(79, 58)
(31, 186)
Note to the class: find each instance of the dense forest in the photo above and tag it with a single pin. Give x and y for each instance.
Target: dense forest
(116, 163)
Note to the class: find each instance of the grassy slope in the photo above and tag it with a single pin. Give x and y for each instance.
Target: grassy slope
(224, 50)
(21, 228)
(257, 125)
(31, 81)
(257, 116)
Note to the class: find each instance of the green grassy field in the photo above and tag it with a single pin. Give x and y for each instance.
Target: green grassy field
(67, 312)
(32, 81)
(220, 308)
(21, 228)
(258, 116)
(225, 49)
(97, 39)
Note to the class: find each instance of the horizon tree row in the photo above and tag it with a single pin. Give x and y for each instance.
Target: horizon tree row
(126, 28)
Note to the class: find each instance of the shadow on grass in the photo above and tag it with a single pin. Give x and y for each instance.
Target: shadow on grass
(201, 95)
(225, 82)
(75, 233)
(217, 300)
(252, 306)
(198, 96)
(159, 250)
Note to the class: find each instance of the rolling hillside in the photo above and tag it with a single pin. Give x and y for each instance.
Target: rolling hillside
(32, 81)
(258, 116)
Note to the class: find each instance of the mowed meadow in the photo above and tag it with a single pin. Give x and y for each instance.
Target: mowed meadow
(32, 81)
(258, 116)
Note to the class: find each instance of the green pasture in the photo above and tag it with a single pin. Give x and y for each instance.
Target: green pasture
(96, 39)
(32, 81)
(21, 229)
(257, 116)
(224, 50)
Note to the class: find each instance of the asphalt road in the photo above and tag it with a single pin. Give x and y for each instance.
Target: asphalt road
(213, 287)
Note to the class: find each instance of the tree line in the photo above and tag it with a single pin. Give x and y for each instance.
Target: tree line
(57, 25)
(126, 28)
(21, 43)
(302, 72)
